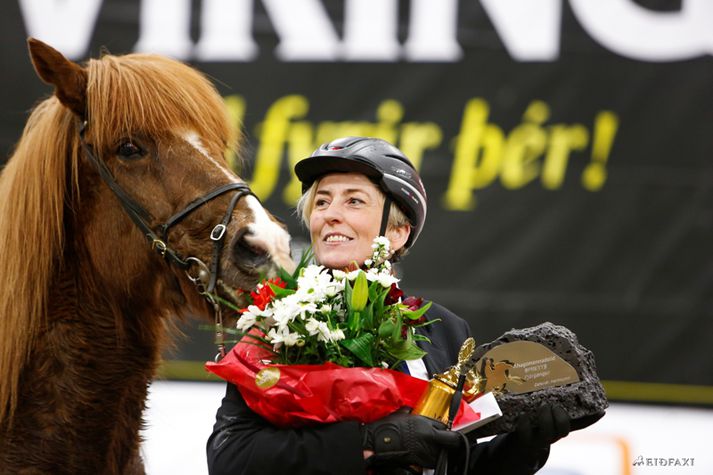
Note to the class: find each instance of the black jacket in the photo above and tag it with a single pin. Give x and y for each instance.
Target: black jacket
(244, 443)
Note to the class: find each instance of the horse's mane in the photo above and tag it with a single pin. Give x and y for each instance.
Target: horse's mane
(126, 95)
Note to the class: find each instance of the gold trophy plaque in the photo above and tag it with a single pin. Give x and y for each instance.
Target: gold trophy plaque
(521, 367)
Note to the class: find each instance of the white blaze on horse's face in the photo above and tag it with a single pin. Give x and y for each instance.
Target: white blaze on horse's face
(195, 141)
(264, 233)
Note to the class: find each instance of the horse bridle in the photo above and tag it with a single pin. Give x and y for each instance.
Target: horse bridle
(207, 277)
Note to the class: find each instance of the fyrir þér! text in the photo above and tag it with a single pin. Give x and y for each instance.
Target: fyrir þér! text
(482, 152)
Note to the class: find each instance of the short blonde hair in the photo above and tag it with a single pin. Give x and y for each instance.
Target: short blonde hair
(397, 218)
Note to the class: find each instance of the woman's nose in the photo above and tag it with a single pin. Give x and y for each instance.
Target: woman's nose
(333, 213)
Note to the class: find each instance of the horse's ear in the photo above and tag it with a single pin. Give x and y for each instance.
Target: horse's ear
(68, 78)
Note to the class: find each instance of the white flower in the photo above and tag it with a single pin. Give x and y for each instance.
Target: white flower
(245, 321)
(315, 284)
(336, 335)
(307, 308)
(381, 241)
(251, 316)
(384, 278)
(286, 310)
(321, 329)
(316, 327)
(284, 336)
(312, 326)
(381, 247)
(310, 276)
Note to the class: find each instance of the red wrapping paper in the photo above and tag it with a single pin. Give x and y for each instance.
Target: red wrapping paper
(320, 394)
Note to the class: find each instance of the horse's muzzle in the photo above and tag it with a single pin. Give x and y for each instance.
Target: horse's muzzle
(247, 254)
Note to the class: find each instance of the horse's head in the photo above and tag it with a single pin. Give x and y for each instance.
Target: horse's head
(158, 207)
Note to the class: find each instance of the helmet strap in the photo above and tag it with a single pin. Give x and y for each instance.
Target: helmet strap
(385, 215)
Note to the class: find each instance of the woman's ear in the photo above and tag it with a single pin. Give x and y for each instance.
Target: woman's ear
(398, 236)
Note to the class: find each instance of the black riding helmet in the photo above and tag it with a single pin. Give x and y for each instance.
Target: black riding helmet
(381, 162)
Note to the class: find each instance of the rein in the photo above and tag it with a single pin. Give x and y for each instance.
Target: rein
(206, 278)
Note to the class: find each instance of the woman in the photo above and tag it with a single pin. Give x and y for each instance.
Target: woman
(355, 189)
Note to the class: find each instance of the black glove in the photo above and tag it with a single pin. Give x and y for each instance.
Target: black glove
(552, 423)
(402, 439)
(525, 450)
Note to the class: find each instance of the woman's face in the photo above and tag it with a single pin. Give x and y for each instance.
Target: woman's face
(345, 219)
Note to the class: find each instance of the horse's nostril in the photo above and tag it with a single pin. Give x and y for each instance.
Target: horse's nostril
(248, 255)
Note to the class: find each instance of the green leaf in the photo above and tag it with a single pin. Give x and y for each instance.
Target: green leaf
(360, 293)
(279, 291)
(225, 302)
(304, 260)
(379, 301)
(416, 314)
(386, 328)
(361, 347)
(354, 321)
(407, 352)
(348, 293)
(287, 278)
(396, 332)
(367, 317)
(426, 323)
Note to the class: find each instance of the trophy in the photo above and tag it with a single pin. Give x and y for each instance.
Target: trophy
(436, 401)
(523, 369)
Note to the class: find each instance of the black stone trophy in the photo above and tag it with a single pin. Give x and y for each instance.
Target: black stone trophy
(524, 369)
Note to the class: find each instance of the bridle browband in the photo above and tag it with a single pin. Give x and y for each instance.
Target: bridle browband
(206, 278)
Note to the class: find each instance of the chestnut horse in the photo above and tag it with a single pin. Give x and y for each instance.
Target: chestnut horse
(116, 199)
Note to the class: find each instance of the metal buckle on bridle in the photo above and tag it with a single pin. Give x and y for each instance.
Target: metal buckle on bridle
(201, 281)
(218, 232)
(159, 246)
(219, 330)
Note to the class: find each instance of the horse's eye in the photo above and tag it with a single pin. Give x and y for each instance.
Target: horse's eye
(129, 150)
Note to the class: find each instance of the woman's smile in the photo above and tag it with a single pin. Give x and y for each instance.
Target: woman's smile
(345, 219)
(336, 238)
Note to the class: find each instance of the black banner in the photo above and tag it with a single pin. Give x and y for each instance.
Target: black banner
(565, 146)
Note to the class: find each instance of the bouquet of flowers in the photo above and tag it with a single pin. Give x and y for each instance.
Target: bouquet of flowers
(320, 345)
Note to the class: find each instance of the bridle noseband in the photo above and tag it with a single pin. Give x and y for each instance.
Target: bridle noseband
(206, 278)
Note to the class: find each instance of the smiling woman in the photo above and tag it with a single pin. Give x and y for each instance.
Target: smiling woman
(345, 219)
(355, 189)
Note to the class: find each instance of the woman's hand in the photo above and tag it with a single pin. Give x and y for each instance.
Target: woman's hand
(402, 439)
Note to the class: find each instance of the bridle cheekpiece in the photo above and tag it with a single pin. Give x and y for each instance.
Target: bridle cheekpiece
(205, 278)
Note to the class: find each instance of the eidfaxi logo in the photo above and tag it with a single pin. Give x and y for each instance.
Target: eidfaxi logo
(663, 461)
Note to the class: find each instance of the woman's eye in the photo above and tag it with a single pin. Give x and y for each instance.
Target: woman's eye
(320, 203)
(355, 201)
(129, 150)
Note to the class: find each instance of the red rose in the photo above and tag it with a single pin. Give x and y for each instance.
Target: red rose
(394, 295)
(413, 303)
